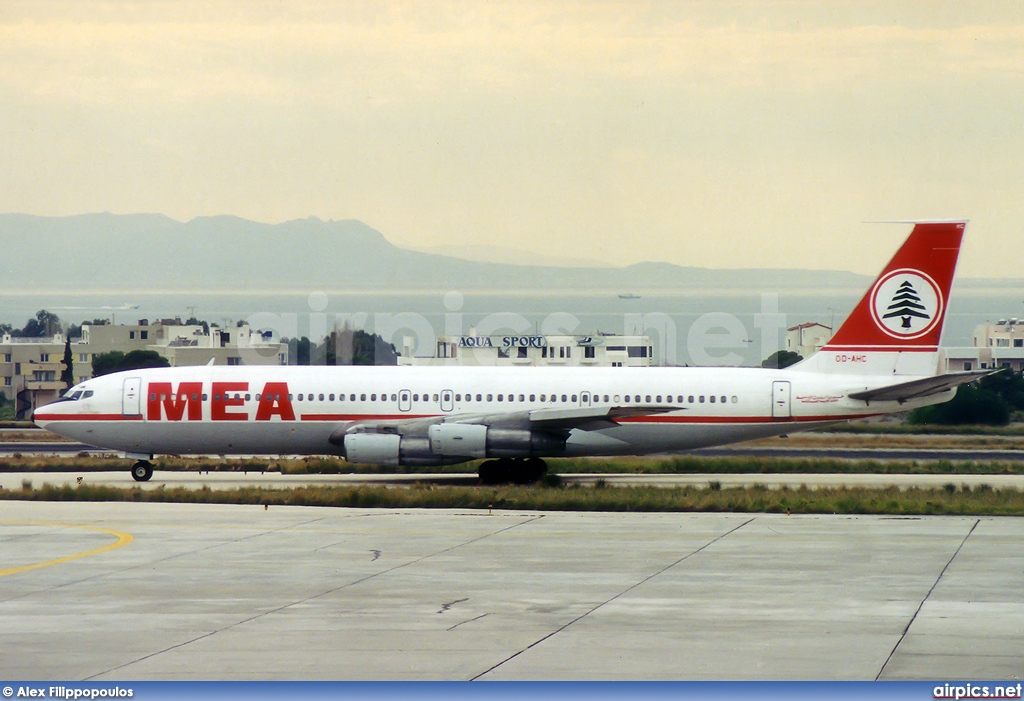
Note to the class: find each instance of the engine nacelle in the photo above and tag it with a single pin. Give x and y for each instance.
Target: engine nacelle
(375, 448)
(466, 440)
(447, 443)
(393, 450)
(477, 441)
(514, 443)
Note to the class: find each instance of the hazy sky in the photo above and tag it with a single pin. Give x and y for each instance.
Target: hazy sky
(721, 134)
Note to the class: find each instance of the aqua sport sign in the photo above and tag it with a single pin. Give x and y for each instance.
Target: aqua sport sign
(504, 341)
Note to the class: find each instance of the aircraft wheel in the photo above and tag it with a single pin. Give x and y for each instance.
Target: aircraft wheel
(489, 472)
(142, 471)
(529, 471)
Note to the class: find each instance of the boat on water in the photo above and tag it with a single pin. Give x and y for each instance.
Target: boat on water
(629, 295)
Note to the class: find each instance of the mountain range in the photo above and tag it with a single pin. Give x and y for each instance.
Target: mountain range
(154, 252)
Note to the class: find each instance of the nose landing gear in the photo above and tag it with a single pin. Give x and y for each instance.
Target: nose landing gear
(142, 471)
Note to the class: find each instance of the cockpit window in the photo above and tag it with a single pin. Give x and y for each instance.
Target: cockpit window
(74, 395)
(86, 394)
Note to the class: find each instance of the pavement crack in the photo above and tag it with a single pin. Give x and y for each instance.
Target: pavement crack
(482, 615)
(921, 605)
(313, 597)
(608, 601)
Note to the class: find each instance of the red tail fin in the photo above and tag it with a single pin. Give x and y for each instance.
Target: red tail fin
(906, 306)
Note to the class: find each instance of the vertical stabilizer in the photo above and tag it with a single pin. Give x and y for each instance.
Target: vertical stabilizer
(896, 327)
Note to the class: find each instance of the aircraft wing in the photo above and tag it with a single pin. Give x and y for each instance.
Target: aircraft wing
(913, 389)
(553, 419)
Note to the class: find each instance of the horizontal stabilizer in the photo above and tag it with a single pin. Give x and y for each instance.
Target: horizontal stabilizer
(919, 388)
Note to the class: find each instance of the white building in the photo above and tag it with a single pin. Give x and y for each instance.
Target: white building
(995, 345)
(513, 349)
(30, 368)
(807, 339)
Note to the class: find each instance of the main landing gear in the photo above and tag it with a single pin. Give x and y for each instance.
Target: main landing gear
(511, 470)
(142, 471)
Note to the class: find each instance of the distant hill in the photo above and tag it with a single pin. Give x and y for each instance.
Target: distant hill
(153, 252)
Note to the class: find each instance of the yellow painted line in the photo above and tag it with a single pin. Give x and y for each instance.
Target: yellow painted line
(122, 540)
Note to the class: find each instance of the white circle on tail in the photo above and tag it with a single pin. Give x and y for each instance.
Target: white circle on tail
(906, 303)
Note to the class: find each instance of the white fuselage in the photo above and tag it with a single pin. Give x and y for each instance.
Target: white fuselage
(295, 410)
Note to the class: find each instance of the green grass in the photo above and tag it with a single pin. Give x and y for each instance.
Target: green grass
(951, 500)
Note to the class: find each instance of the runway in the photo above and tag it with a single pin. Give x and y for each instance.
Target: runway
(124, 591)
(275, 480)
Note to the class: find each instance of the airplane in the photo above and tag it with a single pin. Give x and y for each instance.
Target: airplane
(883, 359)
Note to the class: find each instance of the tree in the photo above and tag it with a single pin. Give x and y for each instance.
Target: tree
(45, 324)
(6, 328)
(971, 405)
(348, 347)
(67, 375)
(116, 361)
(781, 359)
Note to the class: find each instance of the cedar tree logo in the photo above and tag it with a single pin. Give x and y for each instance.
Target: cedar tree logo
(906, 304)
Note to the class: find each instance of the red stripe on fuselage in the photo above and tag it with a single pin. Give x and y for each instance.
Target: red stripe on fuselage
(85, 417)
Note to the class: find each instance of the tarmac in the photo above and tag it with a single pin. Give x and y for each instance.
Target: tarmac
(133, 591)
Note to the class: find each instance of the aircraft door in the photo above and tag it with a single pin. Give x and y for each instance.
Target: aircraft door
(446, 400)
(131, 397)
(584, 398)
(404, 400)
(781, 400)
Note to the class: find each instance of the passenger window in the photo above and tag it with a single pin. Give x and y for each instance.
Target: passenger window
(723, 399)
(152, 397)
(331, 397)
(490, 397)
(522, 398)
(712, 399)
(351, 397)
(415, 397)
(648, 399)
(691, 399)
(362, 397)
(533, 398)
(479, 397)
(195, 397)
(543, 397)
(735, 399)
(563, 398)
(435, 397)
(373, 397)
(205, 397)
(702, 399)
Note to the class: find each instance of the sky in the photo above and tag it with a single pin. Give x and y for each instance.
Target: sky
(715, 134)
